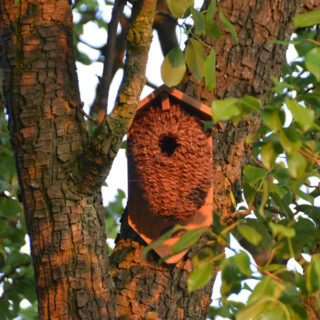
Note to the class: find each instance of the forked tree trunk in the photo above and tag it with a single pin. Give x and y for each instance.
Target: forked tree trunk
(48, 134)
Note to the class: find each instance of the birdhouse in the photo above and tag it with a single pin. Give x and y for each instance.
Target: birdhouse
(169, 167)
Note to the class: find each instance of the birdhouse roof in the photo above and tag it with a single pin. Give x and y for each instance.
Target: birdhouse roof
(166, 93)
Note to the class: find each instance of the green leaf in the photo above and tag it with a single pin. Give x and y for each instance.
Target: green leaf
(250, 234)
(9, 207)
(266, 287)
(304, 116)
(249, 194)
(179, 7)
(259, 227)
(211, 10)
(268, 155)
(198, 18)
(176, 58)
(313, 274)
(254, 175)
(307, 19)
(249, 104)
(281, 204)
(281, 192)
(3, 257)
(282, 230)
(195, 58)
(207, 125)
(230, 27)
(233, 199)
(312, 62)
(210, 71)
(173, 67)
(213, 30)
(312, 211)
(272, 118)
(200, 276)
(159, 241)
(206, 254)
(223, 110)
(297, 164)
(290, 139)
(83, 58)
(243, 263)
(232, 275)
(102, 24)
(187, 239)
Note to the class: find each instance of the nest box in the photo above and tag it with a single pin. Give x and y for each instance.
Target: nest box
(169, 167)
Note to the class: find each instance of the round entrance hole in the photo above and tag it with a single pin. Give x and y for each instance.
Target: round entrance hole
(168, 145)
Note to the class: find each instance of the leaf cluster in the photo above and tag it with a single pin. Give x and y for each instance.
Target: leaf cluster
(198, 57)
(279, 218)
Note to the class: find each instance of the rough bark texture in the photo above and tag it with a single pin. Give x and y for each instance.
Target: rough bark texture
(60, 170)
(68, 244)
(242, 69)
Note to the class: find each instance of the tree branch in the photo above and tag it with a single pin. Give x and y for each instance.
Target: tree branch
(107, 138)
(101, 100)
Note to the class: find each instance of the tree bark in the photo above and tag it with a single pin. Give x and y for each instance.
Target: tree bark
(68, 244)
(60, 169)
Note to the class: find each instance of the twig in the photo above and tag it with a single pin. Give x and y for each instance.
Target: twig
(88, 44)
(268, 273)
(231, 227)
(314, 42)
(13, 270)
(257, 162)
(4, 218)
(93, 119)
(2, 194)
(75, 4)
(151, 85)
(309, 157)
(244, 212)
(167, 15)
(274, 210)
(309, 89)
(101, 100)
(11, 286)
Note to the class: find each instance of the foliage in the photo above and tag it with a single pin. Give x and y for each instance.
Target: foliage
(16, 270)
(85, 12)
(281, 189)
(198, 56)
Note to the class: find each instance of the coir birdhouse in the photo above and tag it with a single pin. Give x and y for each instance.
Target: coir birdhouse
(169, 167)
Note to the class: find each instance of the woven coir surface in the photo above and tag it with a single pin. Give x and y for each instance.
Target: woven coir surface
(172, 159)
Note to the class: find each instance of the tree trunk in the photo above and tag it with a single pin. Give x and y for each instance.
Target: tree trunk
(65, 223)
(66, 228)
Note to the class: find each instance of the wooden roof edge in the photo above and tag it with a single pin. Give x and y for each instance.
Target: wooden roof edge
(197, 105)
(151, 96)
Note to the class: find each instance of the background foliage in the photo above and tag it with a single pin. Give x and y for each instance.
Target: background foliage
(278, 219)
